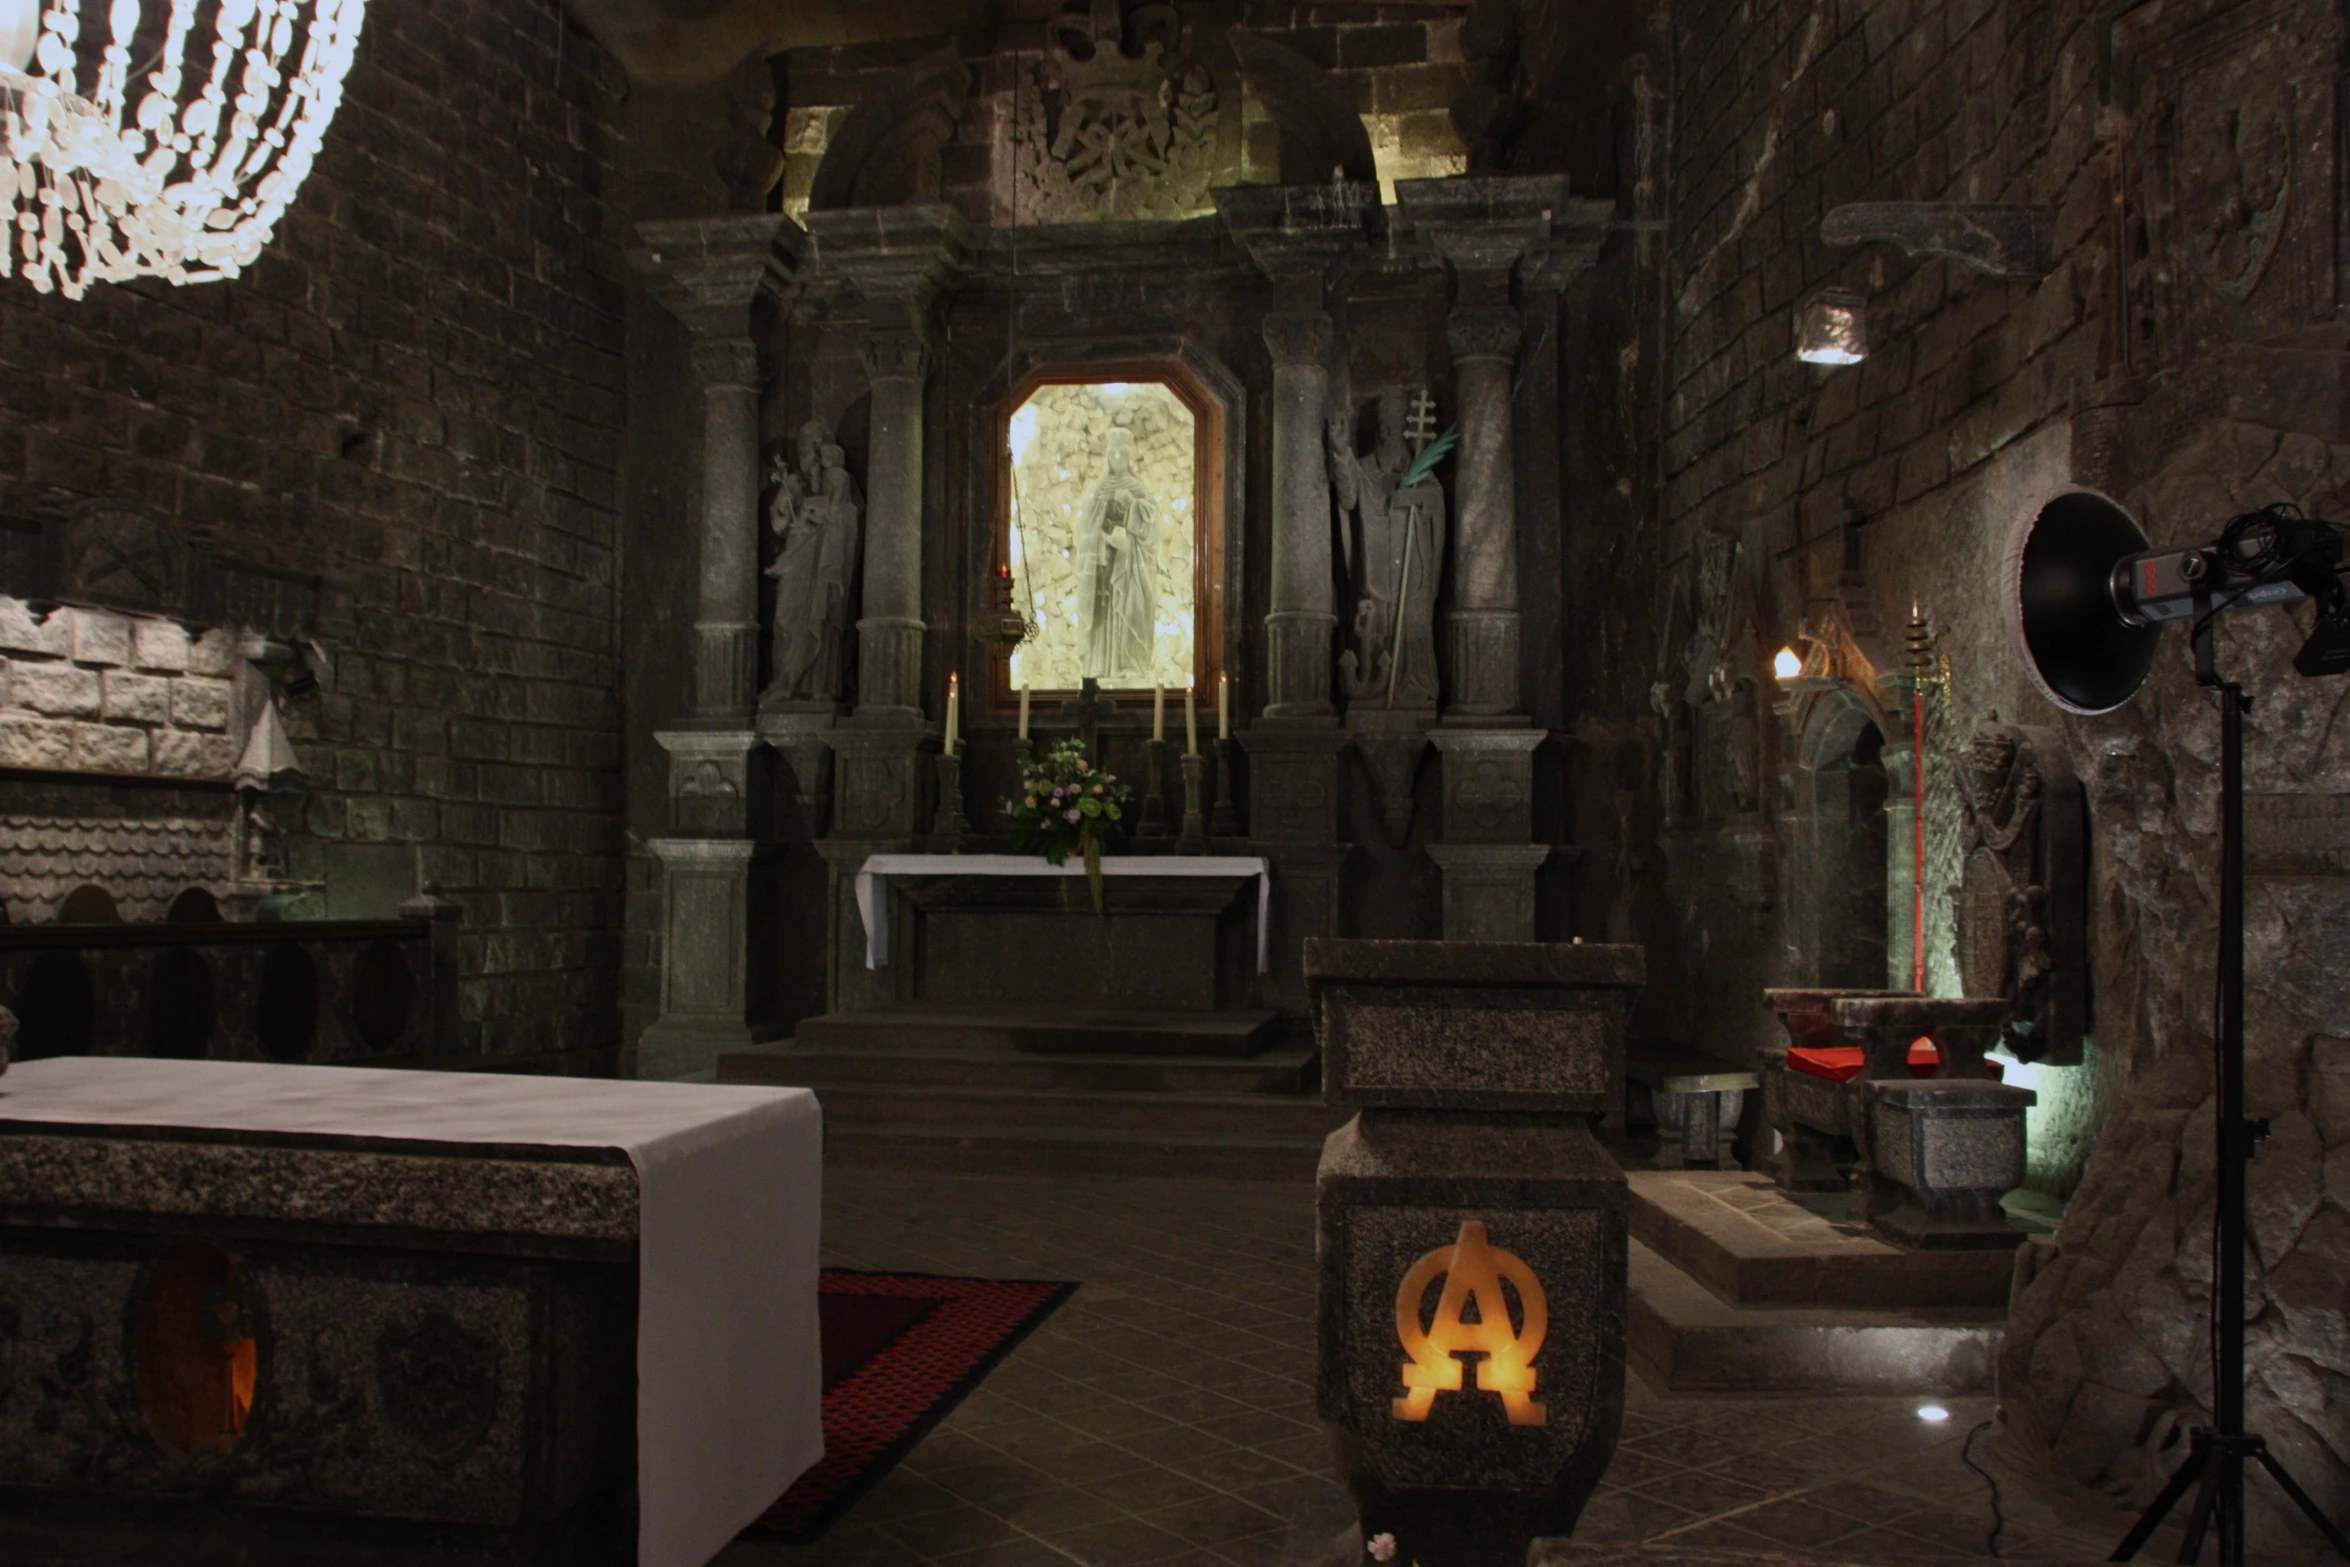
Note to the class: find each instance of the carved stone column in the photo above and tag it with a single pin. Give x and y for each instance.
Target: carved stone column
(1303, 618)
(721, 278)
(889, 637)
(1481, 630)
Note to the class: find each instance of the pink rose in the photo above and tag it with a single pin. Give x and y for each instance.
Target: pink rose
(1382, 1547)
(1075, 816)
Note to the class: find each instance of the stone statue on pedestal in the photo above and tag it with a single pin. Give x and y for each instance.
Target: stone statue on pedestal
(1394, 547)
(815, 512)
(1117, 565)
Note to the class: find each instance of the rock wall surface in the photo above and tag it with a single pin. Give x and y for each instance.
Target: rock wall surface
(2182, 351)
(416, 395)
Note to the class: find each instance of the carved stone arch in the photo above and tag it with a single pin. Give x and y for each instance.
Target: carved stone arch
(886, 152)
(1834, 834)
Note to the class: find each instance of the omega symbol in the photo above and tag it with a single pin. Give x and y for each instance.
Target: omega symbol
(1473, 1270)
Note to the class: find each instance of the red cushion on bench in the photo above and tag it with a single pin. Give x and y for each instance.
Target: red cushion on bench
(1842, 1063)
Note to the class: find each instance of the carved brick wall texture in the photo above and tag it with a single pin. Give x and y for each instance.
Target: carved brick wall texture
(416, 394)
(2183, 355)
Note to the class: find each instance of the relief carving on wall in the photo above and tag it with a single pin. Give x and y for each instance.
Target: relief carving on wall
(1117, 120)
(2022, 897)
(2227, 154)
(439, 1384)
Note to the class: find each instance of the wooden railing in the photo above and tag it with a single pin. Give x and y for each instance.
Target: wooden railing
(381, 992)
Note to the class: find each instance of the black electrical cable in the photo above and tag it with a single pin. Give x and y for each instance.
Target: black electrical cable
(1966, 1456)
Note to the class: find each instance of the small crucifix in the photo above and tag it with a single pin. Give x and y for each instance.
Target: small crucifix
(1089, 707)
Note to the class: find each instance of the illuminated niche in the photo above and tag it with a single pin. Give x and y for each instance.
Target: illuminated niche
(193, 1351)
(1110, 525)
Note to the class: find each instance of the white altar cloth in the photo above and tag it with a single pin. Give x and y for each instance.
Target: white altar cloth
(873, 904)
(729, 1371)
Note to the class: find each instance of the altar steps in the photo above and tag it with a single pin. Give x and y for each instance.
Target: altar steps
(1045, 1031)
(908, 1105)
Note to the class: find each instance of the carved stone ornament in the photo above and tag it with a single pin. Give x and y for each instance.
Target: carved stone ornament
(124, 558)
(1117, 121)
(726, 361)
(2023, 895)
(1482, 332)
(887, 152)
(1297, 337)
(1717, 564)
(745, 158)
(439, 1385)
(897, 355)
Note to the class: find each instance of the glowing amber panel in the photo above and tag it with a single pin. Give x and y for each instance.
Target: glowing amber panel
(193, 1351)
(1474, 1271)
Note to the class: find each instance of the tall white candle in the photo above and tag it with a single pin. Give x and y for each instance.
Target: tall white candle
(1023, 710)
(954, 710)
(1158, 712)
(1190, 721)
(1223, 707)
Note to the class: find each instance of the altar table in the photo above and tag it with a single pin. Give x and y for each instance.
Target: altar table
(727, 1188)
(873, 892)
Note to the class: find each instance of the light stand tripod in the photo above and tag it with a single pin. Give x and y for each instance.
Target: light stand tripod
(2217, 1459)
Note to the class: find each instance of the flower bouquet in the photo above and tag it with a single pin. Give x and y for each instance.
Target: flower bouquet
(1066, 806)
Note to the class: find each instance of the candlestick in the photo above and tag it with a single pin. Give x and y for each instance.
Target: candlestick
(1154, 799)
(1024, 710)
(954, 710)
(948, 824)
(1224, 819)
(1223, 707)
(1194, 838)
(1159, 713)
(1190, 722)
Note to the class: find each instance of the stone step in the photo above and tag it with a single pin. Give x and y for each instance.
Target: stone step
(995, 1150)
(1288, 1069)
(1046, 1031)
(1683, 1337)
(1188, 1115)
(1753, 1245)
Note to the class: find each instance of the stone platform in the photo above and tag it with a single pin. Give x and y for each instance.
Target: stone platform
(1044, 1030)
(1735, 1286)
(971, 1099)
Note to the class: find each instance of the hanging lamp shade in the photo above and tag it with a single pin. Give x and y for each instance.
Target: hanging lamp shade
(159, 138)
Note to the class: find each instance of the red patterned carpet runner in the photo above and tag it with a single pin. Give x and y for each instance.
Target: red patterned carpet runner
(901, 1350)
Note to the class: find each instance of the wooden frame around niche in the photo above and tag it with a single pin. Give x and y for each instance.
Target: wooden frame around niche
(1208, 504)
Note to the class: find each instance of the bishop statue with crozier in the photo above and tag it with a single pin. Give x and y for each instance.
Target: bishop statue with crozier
(1393, 548)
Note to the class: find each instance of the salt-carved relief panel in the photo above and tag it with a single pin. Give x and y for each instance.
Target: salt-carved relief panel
(1102, 533)
(1118, 119)
(2231, 171)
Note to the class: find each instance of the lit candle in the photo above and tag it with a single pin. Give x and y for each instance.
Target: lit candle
(1023, 709)
(1223, 707)
(1190, 721)
(1158, 713)
(954, 709)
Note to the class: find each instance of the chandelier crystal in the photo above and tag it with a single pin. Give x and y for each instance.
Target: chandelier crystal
(193, 136)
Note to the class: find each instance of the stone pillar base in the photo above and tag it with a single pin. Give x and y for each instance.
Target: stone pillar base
(1298, 656)
(1293, 781)
(1482, 645)
(1488, 781)
(717, 904)
(881, 782)
(1489, 889)
(889, 667)
(719, 780)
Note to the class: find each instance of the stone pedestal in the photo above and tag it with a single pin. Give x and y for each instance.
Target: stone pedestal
(1391, 742)
(1488, 864)
(1293, 783)
(880, 779)
(1944, 1153)
(796, 730)
(1471, 1236)
(718, 904)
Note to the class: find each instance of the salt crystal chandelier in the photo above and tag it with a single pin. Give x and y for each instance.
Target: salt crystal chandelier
(193, 136)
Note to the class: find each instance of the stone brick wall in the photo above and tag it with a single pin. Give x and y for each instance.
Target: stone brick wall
(87, 690)
(2163, 359)
(417, 394)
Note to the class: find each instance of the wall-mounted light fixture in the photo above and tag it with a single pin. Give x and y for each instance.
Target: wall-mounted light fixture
(1787, 665)
(1834, 329)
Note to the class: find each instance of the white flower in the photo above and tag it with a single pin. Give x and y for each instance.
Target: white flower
(1382, 1547)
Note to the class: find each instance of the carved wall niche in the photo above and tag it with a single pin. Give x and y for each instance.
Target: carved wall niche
(2230, 170)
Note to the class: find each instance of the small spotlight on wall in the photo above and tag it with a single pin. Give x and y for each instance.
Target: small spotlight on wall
(1933, 1414)
(1787, 665)
(1835, 329)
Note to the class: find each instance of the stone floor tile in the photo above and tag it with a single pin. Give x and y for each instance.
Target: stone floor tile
(903, 1495)
(1021, 1552)
(1169, 1443)
(1705, 1493)
(1687, 1446)
(1623, 1517)
(1143, 1490)
(1891, 1545)
(1256, 1427)
(1235, 1468)
(1794, 1524)
(1213, 1520)
(1193, 1406)
(960, 1527)
(1125, 1542)
(1062, 1507)
(991, 1485)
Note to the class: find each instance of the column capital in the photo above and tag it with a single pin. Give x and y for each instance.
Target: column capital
(899, 260)
(712, 273)
(897, 355)
(1482, 332)
(725, 363)
(1298, 337)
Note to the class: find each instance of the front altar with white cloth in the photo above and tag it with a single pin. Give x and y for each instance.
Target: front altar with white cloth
(709, 1195)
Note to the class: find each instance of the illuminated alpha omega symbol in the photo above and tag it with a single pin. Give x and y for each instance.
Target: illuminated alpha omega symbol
(1472, 1269)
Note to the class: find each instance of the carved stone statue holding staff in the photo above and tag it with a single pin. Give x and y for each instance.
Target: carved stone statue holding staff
(1397, 538)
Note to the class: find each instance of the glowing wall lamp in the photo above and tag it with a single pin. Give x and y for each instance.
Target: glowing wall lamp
(195, 131)
(1787, 665)
(1834, 329)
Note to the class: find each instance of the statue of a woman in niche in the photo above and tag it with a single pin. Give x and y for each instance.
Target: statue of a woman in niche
(1116, 559)
(1398, 541)
(816, 513)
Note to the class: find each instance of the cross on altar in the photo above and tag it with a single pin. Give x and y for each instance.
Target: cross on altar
(1419, 421)
(1089, 707)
